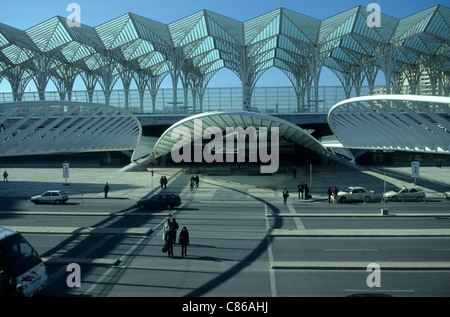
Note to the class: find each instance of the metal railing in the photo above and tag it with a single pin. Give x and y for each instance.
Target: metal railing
(269, 100)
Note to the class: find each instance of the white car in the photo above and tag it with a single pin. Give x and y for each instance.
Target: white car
(405, 193)
(51, 196)
(447, 195)
(355, 193)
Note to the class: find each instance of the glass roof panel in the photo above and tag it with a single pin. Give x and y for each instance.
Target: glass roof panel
(117, 32)
(3, 40)
(49, 35)
(16, 54)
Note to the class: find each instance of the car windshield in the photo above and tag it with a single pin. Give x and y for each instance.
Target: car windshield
(348, 190)
(17, 256)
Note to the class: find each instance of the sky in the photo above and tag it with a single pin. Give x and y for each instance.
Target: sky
(23, 14)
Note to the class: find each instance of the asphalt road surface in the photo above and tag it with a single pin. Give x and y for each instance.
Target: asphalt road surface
(236, 248)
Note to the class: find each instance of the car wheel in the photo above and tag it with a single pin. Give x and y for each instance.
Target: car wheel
(394, 199)
(58, 202)
(342, 200)
(170, 207)
(36, 202)
(419, 198)
(367, 199)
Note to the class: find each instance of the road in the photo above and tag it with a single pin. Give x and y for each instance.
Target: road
(235, 246)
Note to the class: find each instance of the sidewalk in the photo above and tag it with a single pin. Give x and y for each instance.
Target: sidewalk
(24, 182)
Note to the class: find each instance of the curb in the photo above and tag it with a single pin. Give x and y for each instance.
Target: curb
(81, 261)
(359, 215)
(360, 233)
(82, 231)
(305, 265)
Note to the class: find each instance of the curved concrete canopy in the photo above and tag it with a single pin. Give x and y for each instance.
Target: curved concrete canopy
(235, 119)
(50, 127)
(393, 122)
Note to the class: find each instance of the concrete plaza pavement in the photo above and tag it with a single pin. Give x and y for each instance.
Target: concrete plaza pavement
(88, 182)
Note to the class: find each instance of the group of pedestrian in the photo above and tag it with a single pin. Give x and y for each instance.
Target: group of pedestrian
(332, 192)
(163, 181)
(302, 188)
(170, 234)
(303, 191)
(194, 181)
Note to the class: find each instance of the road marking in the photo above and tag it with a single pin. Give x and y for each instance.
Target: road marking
(357, 250)
(370, 290)
(297, 220)
(273, 286)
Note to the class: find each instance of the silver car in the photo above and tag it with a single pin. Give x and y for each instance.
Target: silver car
(355, 193)
(51, 196)
(404, 194)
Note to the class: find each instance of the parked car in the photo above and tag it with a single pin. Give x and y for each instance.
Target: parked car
(51, 196)
(355, 193)
(160, 201)
(447, 195)
(405, 193)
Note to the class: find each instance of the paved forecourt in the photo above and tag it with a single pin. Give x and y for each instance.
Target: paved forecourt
(229, 220)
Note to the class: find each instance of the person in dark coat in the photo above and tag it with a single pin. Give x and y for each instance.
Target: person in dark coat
(174, 227)
(306, 188)
(170, 234)
(184, 241)
(285, 195)
(106, 189)
(197, 180)
(300, 190)
(329, 192)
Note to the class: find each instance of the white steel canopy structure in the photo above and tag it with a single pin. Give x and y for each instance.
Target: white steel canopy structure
(393, 122)
(235, 119)
(51, 127)
(195, 48)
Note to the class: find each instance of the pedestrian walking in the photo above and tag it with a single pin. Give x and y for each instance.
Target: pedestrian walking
(169, 241)
(294, 172)
(5, 176)
(285, 195)
(300, 189)
(165, 181)
(174, 227)
(329, 193)
(191, 182)
(439, 163)
(106, 189)
(197, 180)
(306, 189)
(184, 241)
(335, 192)
(166, 229)
(161, 181)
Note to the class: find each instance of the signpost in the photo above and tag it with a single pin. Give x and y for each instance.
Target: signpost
(384, 210)
(415, 166)
(66, 172)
